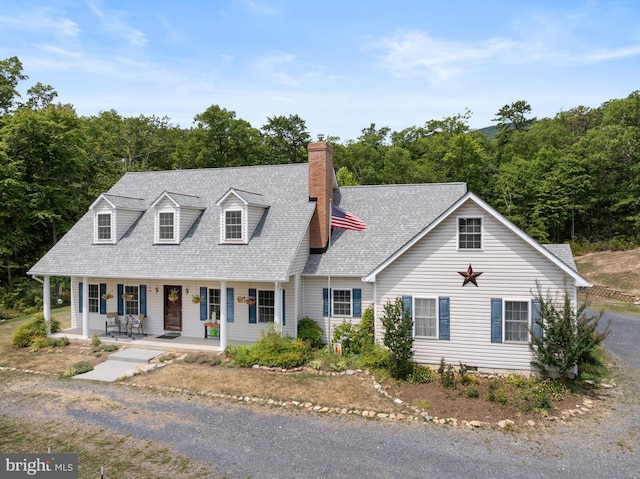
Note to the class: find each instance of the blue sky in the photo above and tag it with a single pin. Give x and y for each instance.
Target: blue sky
(341, 65)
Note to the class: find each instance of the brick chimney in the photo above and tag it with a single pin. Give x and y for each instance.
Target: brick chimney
(321, 176)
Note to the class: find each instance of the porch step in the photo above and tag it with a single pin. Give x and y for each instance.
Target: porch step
(119, 364)
(131, 355)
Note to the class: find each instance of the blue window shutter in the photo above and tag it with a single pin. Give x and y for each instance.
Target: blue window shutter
(103, 303)
(142, 299)
(444, 317)
(284, 322)
(536, 319)
(253, 308)
(80, 297)
(357, 303)
(229, 305)
(120, 300)
(325, 302)
(407, 303)
(496, 320)
(203, 303)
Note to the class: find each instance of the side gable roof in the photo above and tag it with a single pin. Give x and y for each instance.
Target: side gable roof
(572, 272)
(199, 254)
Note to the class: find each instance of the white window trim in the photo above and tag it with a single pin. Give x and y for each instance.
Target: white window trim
(176, 223)
(243, 226)
(413, 314)
(210, 304)
(258, 321)
(96, 297)
(333, 309)
(468, 217)
(112, 219)
(124, 303)
(504, 319)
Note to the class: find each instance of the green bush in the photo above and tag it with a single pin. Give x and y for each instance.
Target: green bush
(472, 392)
(271, 350)
(347, 335)
(308, 330)
(374, 357)
(447, 375)
(78, 368)
(28, 332)
(398, 337)
(421, 375)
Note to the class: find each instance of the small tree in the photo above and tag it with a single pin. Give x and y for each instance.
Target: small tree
(398, 338)
(568, 336)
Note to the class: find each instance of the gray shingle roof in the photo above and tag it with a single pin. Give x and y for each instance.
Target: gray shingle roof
(126, 202)
(562, 252)
(188, 201)
(393, 214)
(268, 256)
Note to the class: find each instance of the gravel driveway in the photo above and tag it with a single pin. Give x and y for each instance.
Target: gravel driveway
(257, 442)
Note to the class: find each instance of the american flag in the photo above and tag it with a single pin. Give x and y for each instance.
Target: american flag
(345, 220)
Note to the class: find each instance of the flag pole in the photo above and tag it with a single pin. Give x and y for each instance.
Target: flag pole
(329, 282)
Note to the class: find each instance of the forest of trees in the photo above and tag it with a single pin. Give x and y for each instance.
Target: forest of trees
(574, 177)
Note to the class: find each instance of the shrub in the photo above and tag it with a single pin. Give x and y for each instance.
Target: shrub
(447, 375)
(568, 336)
(271, 350)
(420, 375)
(374, 357)
(347, 335)
(28, 332)
(308, 330)
(398, 338)
(78, 368)
(96, 341)
(472, 392)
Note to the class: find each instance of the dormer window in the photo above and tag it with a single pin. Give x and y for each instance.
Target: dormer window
(166, 227)
(105, 234)
(233, 225)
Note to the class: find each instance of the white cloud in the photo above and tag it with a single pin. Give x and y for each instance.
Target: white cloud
(272, 67)
(41, 21)
(114, 21)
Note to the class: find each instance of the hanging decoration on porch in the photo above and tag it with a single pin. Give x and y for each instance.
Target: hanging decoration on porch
(469, 276)
(127, 297)
(196, 299)
(173, 295)
(107, 296)
(247, 300)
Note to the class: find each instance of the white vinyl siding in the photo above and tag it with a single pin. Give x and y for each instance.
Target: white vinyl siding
(425, 320)
(511, 269)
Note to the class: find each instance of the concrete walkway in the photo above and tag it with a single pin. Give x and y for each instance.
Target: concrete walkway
(119, 364)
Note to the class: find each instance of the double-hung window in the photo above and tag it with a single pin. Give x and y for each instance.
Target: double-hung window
(104, 227)
(469, 233)
(266, 306)
(131, 303)
(424, 317)
(94, 298)
(214, 304)
(342, 302)
(166, 229)
(233, 225)
(516, 321)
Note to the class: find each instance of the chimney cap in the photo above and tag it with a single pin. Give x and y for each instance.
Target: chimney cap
(321, 137)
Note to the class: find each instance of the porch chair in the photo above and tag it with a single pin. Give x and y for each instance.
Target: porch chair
(137, 323)
(112, 322)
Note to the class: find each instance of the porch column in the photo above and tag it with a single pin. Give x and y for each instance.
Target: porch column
(277, 306)
(85, 308)
(46, 301)
(223, 315)
(296, 302)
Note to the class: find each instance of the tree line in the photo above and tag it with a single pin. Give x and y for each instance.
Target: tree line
(574, 177)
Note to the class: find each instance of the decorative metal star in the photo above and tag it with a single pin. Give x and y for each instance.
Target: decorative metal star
(469, 276)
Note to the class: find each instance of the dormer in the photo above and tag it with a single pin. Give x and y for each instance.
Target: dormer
(174, 214)
(113, 216)
(240, 213)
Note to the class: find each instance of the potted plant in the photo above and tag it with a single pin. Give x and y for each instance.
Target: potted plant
(173, 295)
(127, 297)
(107, 296)
(250, 300)
(196, 299)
